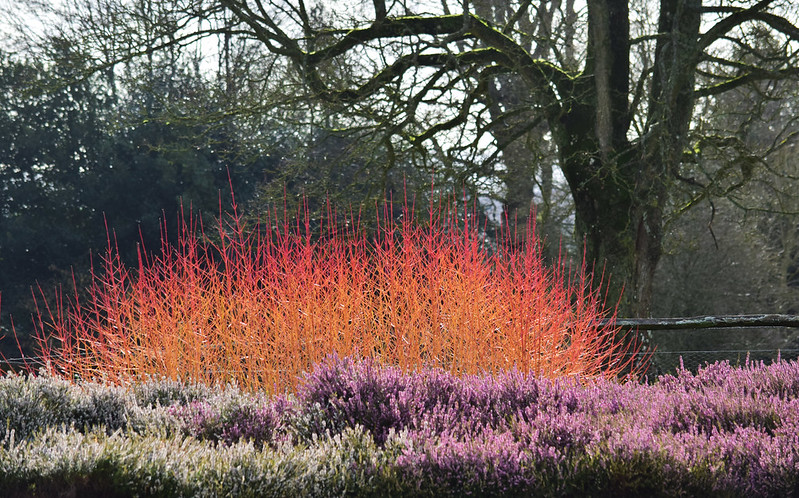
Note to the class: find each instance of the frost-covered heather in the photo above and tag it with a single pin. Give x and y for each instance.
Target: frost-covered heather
(358, 428)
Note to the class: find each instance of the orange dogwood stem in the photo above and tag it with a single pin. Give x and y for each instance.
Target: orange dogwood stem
(259, 306)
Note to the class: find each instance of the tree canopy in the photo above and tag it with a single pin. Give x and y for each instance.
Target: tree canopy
(618, 98)
(78, 171)
(480, 92)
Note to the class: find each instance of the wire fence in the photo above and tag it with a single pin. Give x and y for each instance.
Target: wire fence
(668, 362)
(693, 342)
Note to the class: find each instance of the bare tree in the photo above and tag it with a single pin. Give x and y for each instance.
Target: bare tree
(621, 130)
(616, 88)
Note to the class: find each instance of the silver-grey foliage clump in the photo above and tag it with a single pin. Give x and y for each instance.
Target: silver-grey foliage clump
(31, 403)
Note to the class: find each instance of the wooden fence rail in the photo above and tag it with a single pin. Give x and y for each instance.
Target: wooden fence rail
(704, 322)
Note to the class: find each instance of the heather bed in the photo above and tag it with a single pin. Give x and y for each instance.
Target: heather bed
(360, 428)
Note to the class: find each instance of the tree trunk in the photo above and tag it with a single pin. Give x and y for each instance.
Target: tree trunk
(620, 187)
(623, 232)
(509, 93)
(520, 187)
(519, 174)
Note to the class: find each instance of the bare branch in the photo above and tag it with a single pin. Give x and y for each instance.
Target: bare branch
(516, 16)
(285, 44)
(728, 23)
(389, 28)
(755, 74)
(380, 9)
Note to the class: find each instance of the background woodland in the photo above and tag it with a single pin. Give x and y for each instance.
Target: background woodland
(656, 139)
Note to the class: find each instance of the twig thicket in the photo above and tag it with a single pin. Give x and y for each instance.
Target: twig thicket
(258, 306)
